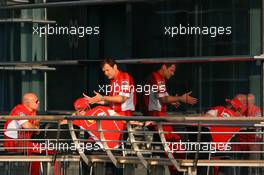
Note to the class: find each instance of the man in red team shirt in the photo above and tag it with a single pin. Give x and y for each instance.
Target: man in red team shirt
(234, 108)
(249, 101)
(155, 103)
(29, 107)
(82, 108)
(122, 98)
(252, 111)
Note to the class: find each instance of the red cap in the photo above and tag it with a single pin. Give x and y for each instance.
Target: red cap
(81, 103)
(236, 103)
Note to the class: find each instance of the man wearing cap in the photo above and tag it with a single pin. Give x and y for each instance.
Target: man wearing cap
(113, 129)
(82, 108)
(234, 108)
(234, 104)
(121, 98)
(249, 101)
(252, 111)
(29, 107)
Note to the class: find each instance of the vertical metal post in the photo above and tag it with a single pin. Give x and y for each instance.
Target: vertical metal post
(157, 170)
(196, 23)
(45, 59)
(49, 171)
(262, 39)
(262, 87)
(129, 29)
(99, 168)
(200, 89)
(57, 142)
(262, 90)
(198, 150)
(262, 70)
(262, 62)
(192, 171)
(129, 169)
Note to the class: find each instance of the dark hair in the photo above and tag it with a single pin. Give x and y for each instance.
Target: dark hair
(109, 61)
(159, 65)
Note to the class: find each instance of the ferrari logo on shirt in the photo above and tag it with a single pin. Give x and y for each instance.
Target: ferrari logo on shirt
(91, 121)
(124, 85)
(124, 82)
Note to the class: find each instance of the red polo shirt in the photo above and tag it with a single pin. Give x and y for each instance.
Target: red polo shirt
(152, 105)
(10, 125)
(123, 84)
(115, 127)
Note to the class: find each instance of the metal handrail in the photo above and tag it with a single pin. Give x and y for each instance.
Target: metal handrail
(142, 154)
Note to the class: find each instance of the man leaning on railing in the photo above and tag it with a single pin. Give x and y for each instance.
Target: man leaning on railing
(14, 137)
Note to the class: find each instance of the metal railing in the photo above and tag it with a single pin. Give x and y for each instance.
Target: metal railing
(148, 147)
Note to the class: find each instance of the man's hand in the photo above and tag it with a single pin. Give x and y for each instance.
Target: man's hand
(89, 98)
(86, 97)
(148, 123)
(63, 122)
(28, 125)
(136, 123)
(186, 98)
(95, 99)
(36, 122)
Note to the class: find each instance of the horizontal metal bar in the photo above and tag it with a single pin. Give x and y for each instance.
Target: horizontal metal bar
(196, 118)
(181, 118)
(190, 163)
(27, 68)
(225, 163)
(50, 63)
(139, 133)
(38, 117)
(259, 57)
(32, 158)
(17, 1)
(84, 62)
(186, 59)
(134, 160)
(68, 3)
(26, 20)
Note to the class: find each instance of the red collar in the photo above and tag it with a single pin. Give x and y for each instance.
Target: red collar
(159, 74)
(117, 75)
(25, 109)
